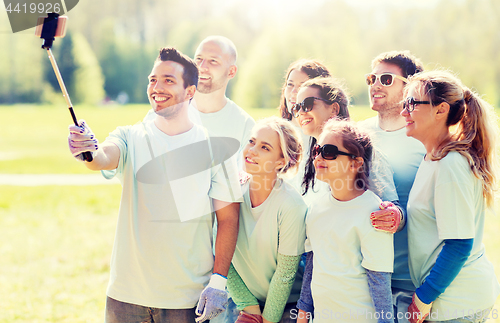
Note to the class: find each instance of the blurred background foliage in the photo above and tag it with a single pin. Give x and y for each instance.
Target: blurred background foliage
(111, 45)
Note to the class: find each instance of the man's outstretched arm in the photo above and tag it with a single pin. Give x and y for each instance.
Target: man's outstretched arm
(81, 139)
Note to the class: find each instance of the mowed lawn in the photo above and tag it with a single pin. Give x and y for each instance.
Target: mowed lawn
(56, 241)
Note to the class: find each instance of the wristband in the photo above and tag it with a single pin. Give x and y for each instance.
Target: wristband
(217, 281)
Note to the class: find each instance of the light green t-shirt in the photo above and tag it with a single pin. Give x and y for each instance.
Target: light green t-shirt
(162, 254)
(446, 202)
(230, 121)
(344, 244)
(275, 226)
(404, 154)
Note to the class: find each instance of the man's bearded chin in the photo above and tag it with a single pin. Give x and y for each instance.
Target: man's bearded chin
(391, 110)
(170, 112)
(205, 88)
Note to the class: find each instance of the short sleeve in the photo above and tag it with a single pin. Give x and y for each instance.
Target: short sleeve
(307, 245)
(119, 138)
(454, 199)
(225, 185)
(377, 249)
(381, 177)
(292, 229)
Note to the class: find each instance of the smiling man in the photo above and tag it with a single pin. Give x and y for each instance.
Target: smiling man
(211, 108)
(386, 82)
(162, 264)
(216, 59)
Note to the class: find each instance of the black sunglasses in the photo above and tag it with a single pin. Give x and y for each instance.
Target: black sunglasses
(386, 79)
(410, 103)
(329, 152)
(306, 105)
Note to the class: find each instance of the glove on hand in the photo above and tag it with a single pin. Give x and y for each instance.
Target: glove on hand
(213, 299)
(418, 310)
(244, 317)
(387, 219)
(81, 139)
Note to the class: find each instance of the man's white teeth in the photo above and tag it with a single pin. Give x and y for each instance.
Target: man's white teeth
(160, 98)
(378, 96)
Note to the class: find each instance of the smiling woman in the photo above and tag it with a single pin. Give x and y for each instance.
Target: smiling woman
(459, 132)
(330, 100)
(272, 228)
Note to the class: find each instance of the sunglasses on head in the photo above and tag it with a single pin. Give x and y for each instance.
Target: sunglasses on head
(306, 105)
(329, 152)
(386, 79)
(410, 103)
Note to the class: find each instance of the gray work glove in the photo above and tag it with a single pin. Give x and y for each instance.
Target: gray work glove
(81, 139)
(213, 299)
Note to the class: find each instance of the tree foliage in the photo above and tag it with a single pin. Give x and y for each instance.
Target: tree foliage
(113, 45)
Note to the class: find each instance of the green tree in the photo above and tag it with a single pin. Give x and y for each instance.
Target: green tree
(88, 79)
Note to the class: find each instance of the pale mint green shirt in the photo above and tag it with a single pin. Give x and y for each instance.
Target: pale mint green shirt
(446, 202)
(345, 244)
(275, 226)
(162, 255)
(404, 154)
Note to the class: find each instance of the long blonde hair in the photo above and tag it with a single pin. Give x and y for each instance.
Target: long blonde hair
(476, 125)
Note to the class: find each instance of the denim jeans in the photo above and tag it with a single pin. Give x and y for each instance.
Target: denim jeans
(401, 299)
(119, 312)
(229, 315)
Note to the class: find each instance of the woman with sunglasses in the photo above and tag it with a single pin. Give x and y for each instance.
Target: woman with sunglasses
(353, 261)
(320, 100)
(454, 185)
(298, 72)
(272, 227)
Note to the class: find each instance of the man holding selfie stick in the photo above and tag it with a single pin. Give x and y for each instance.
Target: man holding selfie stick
(386, 83)
(162, 264)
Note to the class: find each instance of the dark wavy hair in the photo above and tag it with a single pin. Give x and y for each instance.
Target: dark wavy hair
(408, 62)
(190, 75)
(334, 91)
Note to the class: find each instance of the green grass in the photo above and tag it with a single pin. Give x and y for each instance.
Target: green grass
(33, 139)
(56, 241)
(55, 248)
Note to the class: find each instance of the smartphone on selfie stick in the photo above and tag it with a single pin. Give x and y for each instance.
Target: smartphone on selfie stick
(48, 28)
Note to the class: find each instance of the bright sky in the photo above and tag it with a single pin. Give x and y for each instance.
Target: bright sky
(281, 9)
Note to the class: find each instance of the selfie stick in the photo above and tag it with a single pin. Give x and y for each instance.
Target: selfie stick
(48, 34)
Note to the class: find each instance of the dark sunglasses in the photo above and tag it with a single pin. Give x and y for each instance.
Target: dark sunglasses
(330, 152)
(386, 79)
(410, 103)
(306, 105)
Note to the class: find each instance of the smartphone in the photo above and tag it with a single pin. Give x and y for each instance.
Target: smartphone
(60, 30)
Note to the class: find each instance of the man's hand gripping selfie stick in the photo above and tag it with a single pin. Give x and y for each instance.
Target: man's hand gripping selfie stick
(53, 26)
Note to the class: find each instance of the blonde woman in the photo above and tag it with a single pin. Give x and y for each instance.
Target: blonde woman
(446, 207)
(272, 227)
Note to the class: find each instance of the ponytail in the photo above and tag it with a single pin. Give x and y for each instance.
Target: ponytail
(476, 132)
